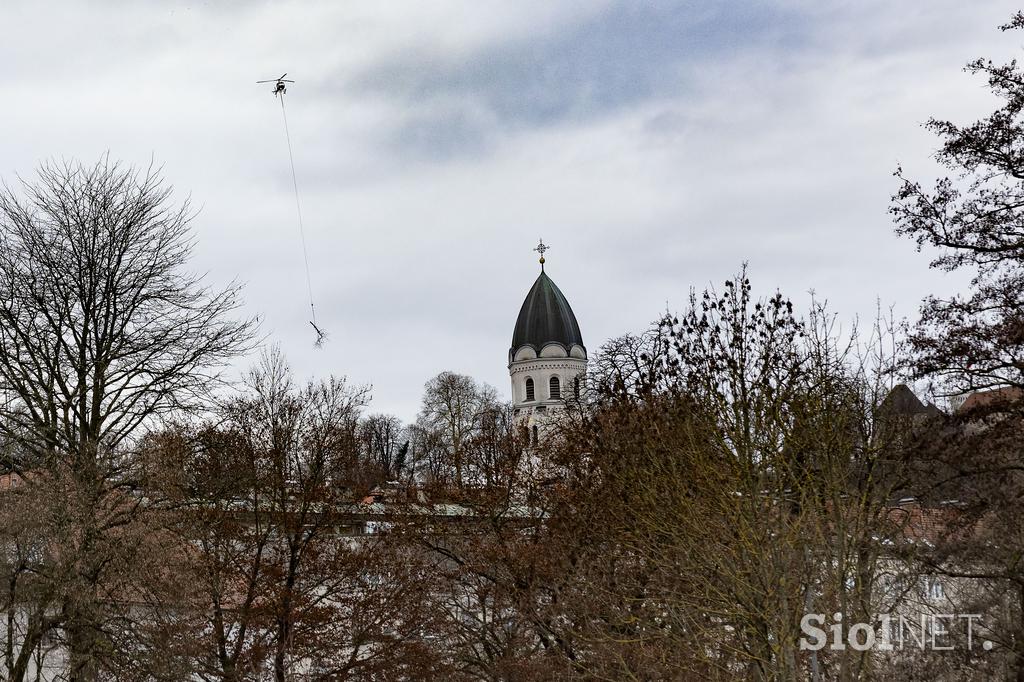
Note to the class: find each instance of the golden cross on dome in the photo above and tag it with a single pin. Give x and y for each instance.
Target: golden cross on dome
(541, 248)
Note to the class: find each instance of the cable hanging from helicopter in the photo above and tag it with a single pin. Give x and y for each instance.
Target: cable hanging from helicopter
(280, 90)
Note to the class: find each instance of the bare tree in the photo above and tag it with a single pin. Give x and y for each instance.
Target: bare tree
(713, 498)
(453, 407)
(30, 597)
(628, 361)
(293, 578)
(973, 220)
(384, 447)
(102, 330)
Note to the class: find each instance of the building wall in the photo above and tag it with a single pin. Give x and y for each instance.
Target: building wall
(554, 362)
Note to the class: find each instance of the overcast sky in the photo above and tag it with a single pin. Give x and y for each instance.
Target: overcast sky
(655, 147)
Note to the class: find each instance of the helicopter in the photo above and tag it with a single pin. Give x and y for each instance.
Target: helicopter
(279, 84)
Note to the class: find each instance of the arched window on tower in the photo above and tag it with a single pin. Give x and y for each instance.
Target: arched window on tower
(554, 389)
(576, 387)
(535, 435)
(529, 389)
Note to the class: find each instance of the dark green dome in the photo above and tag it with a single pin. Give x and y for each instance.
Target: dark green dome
(546, 318)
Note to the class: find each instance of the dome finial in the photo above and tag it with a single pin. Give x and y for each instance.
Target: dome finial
(541, 248)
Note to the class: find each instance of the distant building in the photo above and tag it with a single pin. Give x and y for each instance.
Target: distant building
(547, 361)
(992, 398)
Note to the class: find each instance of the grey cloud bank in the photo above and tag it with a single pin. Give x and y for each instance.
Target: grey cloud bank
(654, 148)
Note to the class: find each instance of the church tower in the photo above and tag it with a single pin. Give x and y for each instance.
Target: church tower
(547, 359)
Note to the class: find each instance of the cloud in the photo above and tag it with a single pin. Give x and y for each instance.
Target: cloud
(623, 56)
(656, 146)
